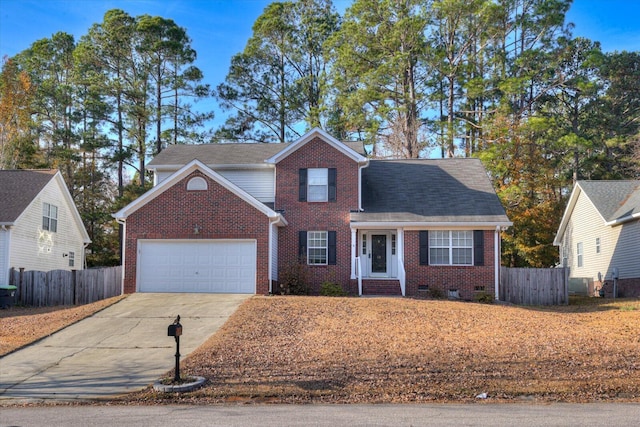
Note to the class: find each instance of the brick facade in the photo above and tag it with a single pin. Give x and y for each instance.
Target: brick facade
(218, 212)
(467, 280)
(626, 288)
(317, 216)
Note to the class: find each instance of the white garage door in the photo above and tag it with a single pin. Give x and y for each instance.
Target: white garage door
(212, 266)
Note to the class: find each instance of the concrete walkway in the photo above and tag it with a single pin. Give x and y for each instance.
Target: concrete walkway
(121, 349)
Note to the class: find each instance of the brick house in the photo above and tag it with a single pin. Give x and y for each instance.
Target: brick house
(232, 217)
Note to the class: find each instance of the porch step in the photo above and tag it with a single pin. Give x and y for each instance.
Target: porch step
(381, 287)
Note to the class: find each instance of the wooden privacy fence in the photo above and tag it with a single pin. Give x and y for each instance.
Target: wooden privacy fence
(61, 287)
(534, 286)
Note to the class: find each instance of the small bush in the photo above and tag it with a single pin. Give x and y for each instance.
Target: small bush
(484, 297)
(294, 279)
(331, 289)
(435, 293)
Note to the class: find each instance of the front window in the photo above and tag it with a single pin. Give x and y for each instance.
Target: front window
(317, 185)
(317, 247)
(49, 217)
(451, 247)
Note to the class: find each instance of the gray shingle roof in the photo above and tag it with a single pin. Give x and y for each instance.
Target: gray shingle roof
(227, 154)
(441, 190)
(613, 199)
(18, 188)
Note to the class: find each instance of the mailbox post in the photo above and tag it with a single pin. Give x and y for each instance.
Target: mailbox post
(175, 330)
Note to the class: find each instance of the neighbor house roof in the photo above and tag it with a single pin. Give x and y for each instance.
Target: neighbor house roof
(227, 154)
(616, 201)
(444, 191)
(18, 188)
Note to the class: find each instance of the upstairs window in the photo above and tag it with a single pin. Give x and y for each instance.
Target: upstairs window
(317, 185)
(49, 217)
(597, 245)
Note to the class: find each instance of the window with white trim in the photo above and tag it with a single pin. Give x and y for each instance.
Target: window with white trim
(597, 245)
(317, 184)
(451, 247)
(49, 217)
(72, 259)
(197, 183)
(317, 247)
(580, 254)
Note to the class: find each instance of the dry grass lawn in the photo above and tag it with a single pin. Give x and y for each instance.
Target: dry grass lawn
(23, 325)
(353, 350)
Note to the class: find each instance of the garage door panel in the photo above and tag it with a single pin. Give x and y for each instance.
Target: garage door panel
(202, 266)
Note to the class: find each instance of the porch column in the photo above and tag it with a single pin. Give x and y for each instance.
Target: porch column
(496, 262)
(402, 276)
(353, 253)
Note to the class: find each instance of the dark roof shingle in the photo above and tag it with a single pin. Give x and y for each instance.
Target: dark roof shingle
(613, 199)
(227, 154)
(18, 188)
(432, 190)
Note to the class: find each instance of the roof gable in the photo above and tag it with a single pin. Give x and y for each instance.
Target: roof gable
(18, 188)
(237, 155)
(429, 190)
(318, 133)
(186, 170)
(616, 202)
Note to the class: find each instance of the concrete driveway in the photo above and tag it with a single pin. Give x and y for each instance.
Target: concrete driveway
(121, 349)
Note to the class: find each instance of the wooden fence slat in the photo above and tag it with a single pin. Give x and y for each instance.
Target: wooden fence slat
(534, 286)
(62, 287)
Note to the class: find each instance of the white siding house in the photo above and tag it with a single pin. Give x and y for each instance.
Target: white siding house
(599, 235)
(40, 227)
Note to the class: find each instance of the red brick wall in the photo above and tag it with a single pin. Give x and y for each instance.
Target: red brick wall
(626, 288)
(443, 278)
(317, 216)
(218, 212)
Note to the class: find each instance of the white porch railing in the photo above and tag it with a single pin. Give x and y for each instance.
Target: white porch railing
(358, 275)
(401, 274)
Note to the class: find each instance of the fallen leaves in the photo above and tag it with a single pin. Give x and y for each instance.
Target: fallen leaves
(24, 325)
(358, 350)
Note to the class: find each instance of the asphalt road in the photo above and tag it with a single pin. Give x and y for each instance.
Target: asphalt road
(521, 415)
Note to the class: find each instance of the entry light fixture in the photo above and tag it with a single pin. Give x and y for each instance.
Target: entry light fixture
(196, 229)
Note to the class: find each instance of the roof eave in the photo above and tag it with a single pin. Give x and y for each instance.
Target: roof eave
(422, 224)
(622, 220)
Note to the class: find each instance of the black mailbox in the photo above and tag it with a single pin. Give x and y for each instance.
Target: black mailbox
(174, 330)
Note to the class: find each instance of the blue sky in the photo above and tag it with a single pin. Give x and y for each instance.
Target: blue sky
(219, 29)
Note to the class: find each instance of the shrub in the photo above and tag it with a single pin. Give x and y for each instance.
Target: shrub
(331, 289)
(484, 297)
(435, 293)
(294, 279)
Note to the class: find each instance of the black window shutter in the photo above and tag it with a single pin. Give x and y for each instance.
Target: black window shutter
(332, 184)
(302, 245)
(302, 174)
(424, 248)
(478, 247)
(331, 248)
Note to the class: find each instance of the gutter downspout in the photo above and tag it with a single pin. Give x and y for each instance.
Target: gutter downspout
(362, 166)
(123, 222)
(270, 268)
(496, 256)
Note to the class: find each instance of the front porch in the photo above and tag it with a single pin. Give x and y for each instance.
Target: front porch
(377, 261)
